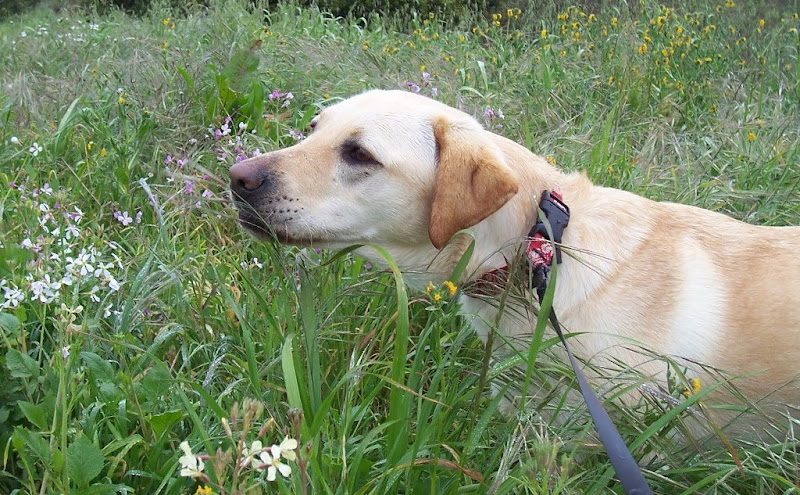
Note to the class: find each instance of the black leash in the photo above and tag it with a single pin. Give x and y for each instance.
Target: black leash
(630, 476)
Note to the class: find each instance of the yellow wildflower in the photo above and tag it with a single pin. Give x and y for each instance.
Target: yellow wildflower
(89, 145)
(437, 297)
(751, 136)
(695, 387)
(103, 152)
(204, 490)
(451, 287)
(165, 21)
(429, 288)
(614, 21)
(544, 33)
(761, 23)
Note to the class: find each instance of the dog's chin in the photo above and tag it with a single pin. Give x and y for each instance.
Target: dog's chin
(264, 232)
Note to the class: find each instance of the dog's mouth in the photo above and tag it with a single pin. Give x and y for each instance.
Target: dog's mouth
(262, 230)
(255, 225)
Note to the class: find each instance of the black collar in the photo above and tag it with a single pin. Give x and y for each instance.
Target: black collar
(553, 217)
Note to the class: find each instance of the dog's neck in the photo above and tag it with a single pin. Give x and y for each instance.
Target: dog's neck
(499, 237)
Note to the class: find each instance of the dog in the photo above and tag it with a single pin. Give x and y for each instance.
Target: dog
(424, 180)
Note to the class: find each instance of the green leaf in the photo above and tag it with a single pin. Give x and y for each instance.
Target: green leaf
(98, 366)
(290, 374)
(162, 422)
(156, 382)
(34, 413)
(84, 461)
(241, 68)
(102, 489)
(34, 441)
(21, 365)
(10, 324)
(187, 78)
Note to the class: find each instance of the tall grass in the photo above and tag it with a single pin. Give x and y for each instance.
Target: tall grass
(162, 322)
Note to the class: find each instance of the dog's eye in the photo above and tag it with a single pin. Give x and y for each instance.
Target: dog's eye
(360, 155)
(356, 155)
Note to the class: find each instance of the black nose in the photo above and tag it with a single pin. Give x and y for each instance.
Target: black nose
(249, 179)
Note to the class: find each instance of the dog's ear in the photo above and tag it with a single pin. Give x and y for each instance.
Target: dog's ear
(472, 180)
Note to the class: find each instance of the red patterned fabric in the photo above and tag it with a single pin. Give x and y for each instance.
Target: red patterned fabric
(539, 255)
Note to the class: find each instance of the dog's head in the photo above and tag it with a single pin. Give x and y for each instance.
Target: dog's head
(383, 167)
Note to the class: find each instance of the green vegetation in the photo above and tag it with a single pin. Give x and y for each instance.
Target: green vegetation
(137, 315)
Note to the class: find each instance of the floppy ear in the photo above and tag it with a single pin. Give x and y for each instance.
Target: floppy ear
(472, 181)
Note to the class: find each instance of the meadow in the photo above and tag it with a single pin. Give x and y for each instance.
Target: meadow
(136, 315)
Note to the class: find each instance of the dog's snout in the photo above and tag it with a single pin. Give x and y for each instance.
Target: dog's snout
(248, 179)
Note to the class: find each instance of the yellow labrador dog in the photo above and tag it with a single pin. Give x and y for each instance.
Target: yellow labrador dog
(409, 173)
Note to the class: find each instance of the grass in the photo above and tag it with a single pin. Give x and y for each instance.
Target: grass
(137, 315)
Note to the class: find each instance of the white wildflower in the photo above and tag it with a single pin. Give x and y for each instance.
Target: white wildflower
(273, 465)
(11, 294)
(191, 465)
(80, 264)
(285, 449)
(250, 455)
(45, 291)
